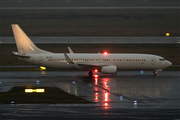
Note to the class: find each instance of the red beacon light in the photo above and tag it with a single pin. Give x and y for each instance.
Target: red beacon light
(95, 70)
(105, 53)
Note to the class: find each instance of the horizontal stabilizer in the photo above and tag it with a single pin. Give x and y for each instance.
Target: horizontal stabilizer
(19, 55)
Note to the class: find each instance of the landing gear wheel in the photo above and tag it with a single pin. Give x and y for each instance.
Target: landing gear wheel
(90, 73)
(155, 73)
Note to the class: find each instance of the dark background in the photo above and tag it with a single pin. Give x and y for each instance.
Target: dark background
(91, 22)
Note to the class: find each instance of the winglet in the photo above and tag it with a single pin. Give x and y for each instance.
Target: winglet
(70, 50)
(68, 59)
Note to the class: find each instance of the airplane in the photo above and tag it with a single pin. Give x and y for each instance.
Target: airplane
(106, 63)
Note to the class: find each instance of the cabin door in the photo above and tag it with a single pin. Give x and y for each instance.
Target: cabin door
(152, 60)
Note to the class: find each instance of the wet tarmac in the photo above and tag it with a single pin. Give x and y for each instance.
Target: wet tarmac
(127, 95)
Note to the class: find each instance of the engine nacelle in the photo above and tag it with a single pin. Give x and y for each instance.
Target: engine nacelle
(109, 70)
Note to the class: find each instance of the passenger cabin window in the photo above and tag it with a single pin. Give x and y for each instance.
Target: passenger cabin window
(81, 60)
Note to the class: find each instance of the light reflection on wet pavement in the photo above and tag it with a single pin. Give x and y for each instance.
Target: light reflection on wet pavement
(126, 90)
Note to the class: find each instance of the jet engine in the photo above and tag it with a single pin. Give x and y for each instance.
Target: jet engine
(109, 69)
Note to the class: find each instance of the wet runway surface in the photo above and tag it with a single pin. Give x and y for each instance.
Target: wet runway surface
(127, 95)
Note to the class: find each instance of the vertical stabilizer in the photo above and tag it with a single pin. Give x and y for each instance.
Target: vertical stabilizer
(23, 43)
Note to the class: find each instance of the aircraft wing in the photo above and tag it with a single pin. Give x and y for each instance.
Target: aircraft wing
(20, 55)
(89, 65)
(83, 65)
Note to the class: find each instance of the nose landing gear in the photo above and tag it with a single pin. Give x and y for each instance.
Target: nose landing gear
(155, 73)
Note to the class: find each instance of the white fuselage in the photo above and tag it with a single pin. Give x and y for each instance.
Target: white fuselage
(105, 63)
(122, 61)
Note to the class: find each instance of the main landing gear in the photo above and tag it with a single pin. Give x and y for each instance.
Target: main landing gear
(90, 73)
(155, 73)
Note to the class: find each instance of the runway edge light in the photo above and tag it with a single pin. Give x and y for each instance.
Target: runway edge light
(34, 90)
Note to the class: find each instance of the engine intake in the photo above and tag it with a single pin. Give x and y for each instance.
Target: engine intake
(109, 70)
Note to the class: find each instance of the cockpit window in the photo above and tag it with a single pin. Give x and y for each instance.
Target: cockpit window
(162, 59)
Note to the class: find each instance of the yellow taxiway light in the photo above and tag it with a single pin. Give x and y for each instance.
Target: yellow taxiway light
(167, 34)
(34, 90)
(43, 68)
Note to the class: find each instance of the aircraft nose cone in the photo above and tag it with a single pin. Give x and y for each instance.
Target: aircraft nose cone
(168, 63)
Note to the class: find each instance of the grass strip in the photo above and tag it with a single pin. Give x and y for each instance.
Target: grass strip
(51, 95)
